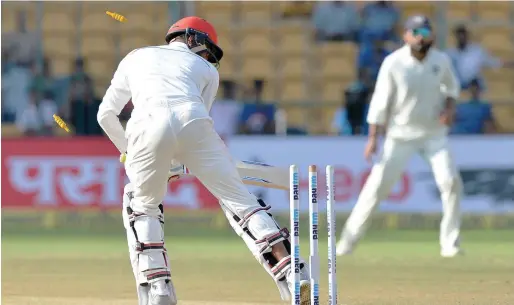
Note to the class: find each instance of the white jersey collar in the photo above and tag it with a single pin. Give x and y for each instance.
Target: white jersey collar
(179, 45)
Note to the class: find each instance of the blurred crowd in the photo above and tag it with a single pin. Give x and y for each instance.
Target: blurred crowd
(31, 93)
(376, 29)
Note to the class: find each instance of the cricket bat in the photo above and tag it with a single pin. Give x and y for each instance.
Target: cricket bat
(254, 173)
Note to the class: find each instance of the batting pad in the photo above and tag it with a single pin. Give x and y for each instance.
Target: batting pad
(277, 270)
(146, 244)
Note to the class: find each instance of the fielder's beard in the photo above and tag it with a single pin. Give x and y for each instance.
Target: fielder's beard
(422, 47)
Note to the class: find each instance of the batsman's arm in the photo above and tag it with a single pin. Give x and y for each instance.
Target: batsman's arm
(117, 96)
(209, 92)
(381, 99)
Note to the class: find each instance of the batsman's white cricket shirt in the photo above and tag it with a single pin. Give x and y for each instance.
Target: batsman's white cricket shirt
(158, 76)
(410, 94)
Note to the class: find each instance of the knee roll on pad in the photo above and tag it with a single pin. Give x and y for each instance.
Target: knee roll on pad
(128, 195)
(269, 241)
(250, 225)
(261, 225)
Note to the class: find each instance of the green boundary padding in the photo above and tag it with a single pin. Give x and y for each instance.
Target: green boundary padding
(214, 223)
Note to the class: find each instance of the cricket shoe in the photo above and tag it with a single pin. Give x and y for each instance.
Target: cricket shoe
(305, 287)
(344, 247)
(451, 252)
(305, 292)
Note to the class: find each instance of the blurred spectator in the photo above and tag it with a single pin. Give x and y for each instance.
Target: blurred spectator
(22, 43)
(470, 58)
(79, 83)
(380, 18)
(336, 21)
(340, 123)
(83, 108)
(297, 9)
(15, 88)
(36, 118)
(225, 112)
(43, 80)
(357, 98)
(257, 117)
(371, 56)
(79, 75)
(474, 116)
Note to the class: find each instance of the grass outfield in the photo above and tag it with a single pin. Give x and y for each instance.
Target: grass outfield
(390, 267)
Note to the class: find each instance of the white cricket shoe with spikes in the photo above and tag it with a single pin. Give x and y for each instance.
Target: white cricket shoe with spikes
(305, 287)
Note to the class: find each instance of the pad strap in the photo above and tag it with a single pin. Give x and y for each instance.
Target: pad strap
(266, 243)
(243, 222)
(281, 268)
(153, 275)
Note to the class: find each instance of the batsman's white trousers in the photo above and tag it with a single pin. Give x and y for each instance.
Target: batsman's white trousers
(154, 140)
(388, 170)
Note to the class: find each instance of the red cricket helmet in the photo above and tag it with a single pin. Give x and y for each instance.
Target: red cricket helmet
(205, 36)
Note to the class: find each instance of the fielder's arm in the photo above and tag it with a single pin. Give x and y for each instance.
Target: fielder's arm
(450, 83)
(450, 87)
(380, 104)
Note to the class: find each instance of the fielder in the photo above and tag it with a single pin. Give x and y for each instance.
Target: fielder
(414, 101)
(172, 88)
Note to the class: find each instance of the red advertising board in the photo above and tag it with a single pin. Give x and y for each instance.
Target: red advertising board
(78, 173)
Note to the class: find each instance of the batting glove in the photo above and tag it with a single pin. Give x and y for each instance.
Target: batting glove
(123, 157)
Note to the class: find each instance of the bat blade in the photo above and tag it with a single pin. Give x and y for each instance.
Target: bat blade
(274, 175)
(263, 183)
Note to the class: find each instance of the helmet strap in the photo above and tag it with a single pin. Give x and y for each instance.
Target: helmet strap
(199, 48)
(197, 44)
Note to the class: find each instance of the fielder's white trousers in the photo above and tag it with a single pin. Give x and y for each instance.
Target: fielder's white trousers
(154, 140)
(386, 173)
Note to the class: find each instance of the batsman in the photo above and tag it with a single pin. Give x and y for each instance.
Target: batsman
(172, 88)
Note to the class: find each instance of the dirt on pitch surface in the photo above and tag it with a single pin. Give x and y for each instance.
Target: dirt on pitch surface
(396, 268)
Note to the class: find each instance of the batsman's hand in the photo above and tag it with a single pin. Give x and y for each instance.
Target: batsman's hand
(176, 171)
(123, 157)
(371, 148)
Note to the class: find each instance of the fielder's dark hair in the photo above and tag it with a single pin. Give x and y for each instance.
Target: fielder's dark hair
(460, 28)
